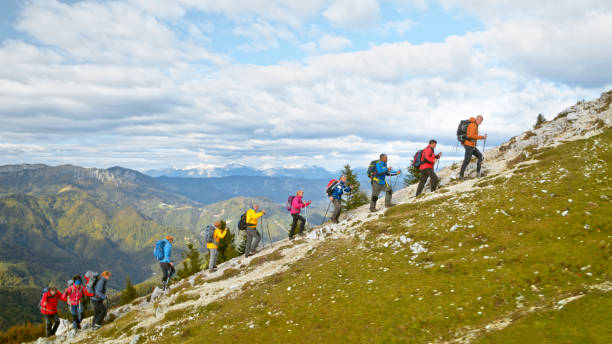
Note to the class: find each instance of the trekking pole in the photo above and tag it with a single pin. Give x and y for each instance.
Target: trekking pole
(484, 147)
(437, 165)
(330, 202)
(268, 227)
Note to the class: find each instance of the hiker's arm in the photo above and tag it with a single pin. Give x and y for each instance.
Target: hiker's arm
(167, 252)
(472, 132)
(428, 157)
(223, 234)
(380, 170)
(258, 215)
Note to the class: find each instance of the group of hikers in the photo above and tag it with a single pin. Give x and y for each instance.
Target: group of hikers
(95, 287)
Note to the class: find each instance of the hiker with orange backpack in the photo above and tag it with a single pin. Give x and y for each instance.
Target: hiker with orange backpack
(48, 308)
(74, 297)
(335, 192)
(467, 134)
(426, 167)
(296, 207)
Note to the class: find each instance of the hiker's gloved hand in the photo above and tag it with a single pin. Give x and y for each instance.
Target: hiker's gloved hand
(331, 197)
(264, 212)
(485, 136)
(171, 264)
(399, 171)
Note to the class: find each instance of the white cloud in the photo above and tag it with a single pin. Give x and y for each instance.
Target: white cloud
(264, 35)
(353, 13)
(331, 43)
(400, 26)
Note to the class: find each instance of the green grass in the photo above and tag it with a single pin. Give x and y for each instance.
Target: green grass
(185, 297)
(586, 320)
(276, 255)
(510, 248)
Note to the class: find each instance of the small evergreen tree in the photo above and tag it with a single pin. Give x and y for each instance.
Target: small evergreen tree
(539, 121)
(413, 175)
(129, 293)
(192, 263)
(356, 197)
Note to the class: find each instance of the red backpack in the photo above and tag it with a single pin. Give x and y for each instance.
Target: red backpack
(331, 186)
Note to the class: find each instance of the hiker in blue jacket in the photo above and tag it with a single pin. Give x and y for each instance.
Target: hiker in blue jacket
(380, 184)
(336, 198)
(98, 299)
(166, 264)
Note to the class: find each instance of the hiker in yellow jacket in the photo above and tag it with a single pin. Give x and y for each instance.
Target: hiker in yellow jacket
(252, 216)
(213, 247)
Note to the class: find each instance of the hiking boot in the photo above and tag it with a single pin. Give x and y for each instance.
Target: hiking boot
(79, 326)
(372, 210)
(96, 326)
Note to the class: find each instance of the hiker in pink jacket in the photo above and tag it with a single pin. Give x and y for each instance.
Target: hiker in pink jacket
(296, 207)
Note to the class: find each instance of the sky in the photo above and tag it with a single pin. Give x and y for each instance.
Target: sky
(149, 84)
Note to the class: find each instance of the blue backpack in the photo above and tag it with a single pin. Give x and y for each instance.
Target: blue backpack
(209, 233)
(158, 251)
(418, 159)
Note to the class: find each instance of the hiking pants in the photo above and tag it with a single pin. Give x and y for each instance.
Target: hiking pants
(212, 259)
(77, 315)
(337, 209)
(251, 233)
(99, 312)
(296, 218)
(428, 173)
(52, 321)
(469, 151)
(166, 271)
(376, 189)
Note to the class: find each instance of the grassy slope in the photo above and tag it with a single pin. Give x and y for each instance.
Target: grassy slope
(529, 255)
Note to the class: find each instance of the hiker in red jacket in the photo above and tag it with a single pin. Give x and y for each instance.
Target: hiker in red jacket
(48, 307)
(428, 160)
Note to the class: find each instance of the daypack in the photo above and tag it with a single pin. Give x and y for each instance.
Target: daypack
(91, 278)
(70, 283)
(290, 202)
(462, 130)
(158, 251)
(209, 234)
(41, 297)
(331, 186)
(372, 168)
(242, 224)
(418, 158)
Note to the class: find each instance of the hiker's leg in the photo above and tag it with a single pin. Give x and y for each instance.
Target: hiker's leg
(434, 180)
(98, 310)
(376, 188)
(212, 260)
(388, 194)
(74, 310)
(466, 159)
(80, 313)
(302, 223)
(249, 239)
(49, 323)
(164, 269)
(56, 323)
(257, 237)
(293, 225)
(422, 182)
(478, 156)
(337, 208)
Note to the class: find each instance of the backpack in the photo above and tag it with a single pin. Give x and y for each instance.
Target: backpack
(418, 158)
(290, 202)
(158, 251)
(41, 297)
(91, 279)
(242, 224)
(462, 130)
(331, 186)
(372, 168)
(209, 234)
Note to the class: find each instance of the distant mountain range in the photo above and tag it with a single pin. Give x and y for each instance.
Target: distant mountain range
(236, 169)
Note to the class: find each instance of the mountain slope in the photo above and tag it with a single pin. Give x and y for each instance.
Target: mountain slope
(450, 266)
